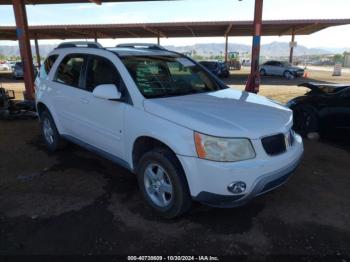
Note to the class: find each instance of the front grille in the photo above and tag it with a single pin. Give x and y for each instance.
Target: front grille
(274, 145)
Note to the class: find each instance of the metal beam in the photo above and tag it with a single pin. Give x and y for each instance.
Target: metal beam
(292, 47)
(37, 52)
(24, 46)
(228, 30)
(254, 77)
(226, 49)
(154, 31)
(132, 34)
(191, 30)
(97, 2)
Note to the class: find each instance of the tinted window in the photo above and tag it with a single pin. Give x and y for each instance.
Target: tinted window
(70, 69)
(101, 71)
(209, 65)
(47, 65)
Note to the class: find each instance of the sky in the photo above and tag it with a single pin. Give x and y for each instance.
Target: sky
(194, 10)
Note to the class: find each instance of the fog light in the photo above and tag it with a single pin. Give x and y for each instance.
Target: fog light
(237, 187)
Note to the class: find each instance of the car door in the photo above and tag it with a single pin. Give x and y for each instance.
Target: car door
(66, 95)
(339, 109)
(103, 119)
(267, 67)
(278, 69)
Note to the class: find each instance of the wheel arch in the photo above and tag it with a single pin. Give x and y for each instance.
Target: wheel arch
(144, 144)
(41, 107)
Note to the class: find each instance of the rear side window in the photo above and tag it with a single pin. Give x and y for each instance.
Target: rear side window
(70, 69)
(46, 66)
(101, 71)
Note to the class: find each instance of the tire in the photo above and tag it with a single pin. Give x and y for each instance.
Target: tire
(163, 183)
(226, 74)
(288, 75)
(50, 133)
(305, 120)
(263, 72)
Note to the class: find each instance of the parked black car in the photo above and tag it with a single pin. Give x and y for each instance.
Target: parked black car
(324, 108)
(18, 70)
(219, 69)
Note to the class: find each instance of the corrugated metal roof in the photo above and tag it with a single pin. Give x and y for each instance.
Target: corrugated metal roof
(38, 2)
(173, 29)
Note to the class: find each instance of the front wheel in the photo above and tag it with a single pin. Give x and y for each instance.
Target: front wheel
(305, 120)
(163, 183)
(288, 75)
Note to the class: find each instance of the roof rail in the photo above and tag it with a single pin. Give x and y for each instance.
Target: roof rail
(142, 45)
(79, 44)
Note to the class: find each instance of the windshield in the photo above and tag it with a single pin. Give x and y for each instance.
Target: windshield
(162, 76)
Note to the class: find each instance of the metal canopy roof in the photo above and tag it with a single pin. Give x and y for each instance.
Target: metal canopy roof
(177, 29)
(38, 2)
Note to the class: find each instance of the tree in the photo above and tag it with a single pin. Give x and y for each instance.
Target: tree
(338, 58)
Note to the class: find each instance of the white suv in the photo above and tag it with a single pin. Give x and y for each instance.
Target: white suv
(168, 120)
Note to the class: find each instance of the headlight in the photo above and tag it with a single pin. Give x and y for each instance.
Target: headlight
(223, 149)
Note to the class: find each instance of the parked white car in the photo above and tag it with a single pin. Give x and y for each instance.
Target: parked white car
(5, 67)
(277, 68)
(168, 120)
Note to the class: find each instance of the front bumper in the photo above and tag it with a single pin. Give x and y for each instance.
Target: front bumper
(263, 185)
(298, 73)
(208, 180)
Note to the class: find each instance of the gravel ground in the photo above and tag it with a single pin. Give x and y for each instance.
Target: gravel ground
(74, 202)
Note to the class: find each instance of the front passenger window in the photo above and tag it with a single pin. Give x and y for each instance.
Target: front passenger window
(101, 71)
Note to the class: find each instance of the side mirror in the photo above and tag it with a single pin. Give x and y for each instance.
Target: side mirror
(107, 91)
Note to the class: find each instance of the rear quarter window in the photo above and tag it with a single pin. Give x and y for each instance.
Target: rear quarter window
(46, 66)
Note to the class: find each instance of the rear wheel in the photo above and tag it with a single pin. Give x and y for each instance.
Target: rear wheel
(163, 183)
(50, 133)
(305, 120)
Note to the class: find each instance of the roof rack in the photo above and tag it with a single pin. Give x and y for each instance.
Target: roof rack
(142, 45)
(79, 44)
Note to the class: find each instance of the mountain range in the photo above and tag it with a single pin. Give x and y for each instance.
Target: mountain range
(274, 49)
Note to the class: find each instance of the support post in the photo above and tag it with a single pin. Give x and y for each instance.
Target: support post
(226, 49)
(254, 77)
(158, 39)
(95, 38)
(292, 47)
(37, 52)
(24, 46)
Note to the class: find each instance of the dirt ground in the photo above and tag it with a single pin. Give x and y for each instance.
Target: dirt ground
(74, 202)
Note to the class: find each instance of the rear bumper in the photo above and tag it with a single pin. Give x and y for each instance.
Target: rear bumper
(263, 185)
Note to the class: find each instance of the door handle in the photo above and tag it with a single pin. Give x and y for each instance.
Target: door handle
(84, 100)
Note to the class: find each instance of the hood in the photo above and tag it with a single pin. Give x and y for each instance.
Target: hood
(225, 113)
(295, 68)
